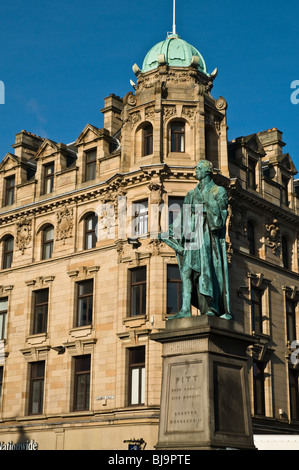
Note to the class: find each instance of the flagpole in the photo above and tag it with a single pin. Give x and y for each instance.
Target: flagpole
(173, 26)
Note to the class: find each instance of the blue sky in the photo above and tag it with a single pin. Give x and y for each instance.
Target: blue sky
(59, 59)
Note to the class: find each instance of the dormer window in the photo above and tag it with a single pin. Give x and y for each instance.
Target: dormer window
(148, 140)
(177, 130)
(91, 165)
(251, 179)
(48, 178)
(9, 190)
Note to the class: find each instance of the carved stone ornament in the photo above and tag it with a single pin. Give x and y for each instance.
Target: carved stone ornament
(131, 100)
(221, 103)
(64, 224)
(23, 237)
(273, 236)
(134, 118)
(150, 113)
(169, 111)
(189, 112)
(156, 190)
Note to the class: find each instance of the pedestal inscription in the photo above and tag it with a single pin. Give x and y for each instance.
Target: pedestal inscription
(184, 404)
(205, 395)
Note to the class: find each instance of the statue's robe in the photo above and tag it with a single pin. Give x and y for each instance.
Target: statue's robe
(201, 245)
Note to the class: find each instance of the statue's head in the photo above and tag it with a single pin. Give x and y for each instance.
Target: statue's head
(204, 168)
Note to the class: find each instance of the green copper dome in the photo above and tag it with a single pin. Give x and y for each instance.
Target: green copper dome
(175, 52)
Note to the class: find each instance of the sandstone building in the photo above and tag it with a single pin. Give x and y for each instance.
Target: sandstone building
(84, 281)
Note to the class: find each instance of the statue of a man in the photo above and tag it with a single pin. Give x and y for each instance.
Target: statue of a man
(201, 247)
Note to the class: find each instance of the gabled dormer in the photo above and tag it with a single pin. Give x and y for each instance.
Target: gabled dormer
(283, 170)
(93, 146)
(246, 156)
(52, 160)
(11, 176)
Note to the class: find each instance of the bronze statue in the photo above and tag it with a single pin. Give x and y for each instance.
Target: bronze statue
(201, 247)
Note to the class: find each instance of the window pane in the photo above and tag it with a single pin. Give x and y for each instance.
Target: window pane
(10, 190)
(85, 303)
(172, 304)
(39, 320)
(91, 165)
(36, 387)
(91, 156)
(83, 363)
(9, 244)
(91, 172)
(134, 386)
(142, 393)
(174, 291)
(2, 326)
(41, 296)
(137, 355)
(89, 241)
(36, 397)
(291, 320)
(82, 395)
(177, 137)
(3, 304)
(38, 369)
(138, 275)
(86, 287)
(82, 382)
(48, 185)
(49, 233)
(48, 250)
(136, 300)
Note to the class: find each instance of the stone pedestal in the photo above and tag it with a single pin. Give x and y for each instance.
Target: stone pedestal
(205, 395)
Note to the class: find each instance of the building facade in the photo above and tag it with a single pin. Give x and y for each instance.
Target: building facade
(84, 280)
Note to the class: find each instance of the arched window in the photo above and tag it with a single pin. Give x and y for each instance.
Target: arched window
(47, 242)
(148, 140)
(251, 238)
(285, 253)
(177, 136)
(90, 235)
(8, 251)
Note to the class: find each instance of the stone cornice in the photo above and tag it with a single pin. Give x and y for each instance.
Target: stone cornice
(257, 201)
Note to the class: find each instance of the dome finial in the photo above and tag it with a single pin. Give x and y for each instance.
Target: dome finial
(173, 25)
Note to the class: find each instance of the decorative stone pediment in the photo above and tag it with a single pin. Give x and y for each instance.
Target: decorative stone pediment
(253, 143)
(285, 161)
(89, 134)
(48, 147)
(9, 162)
